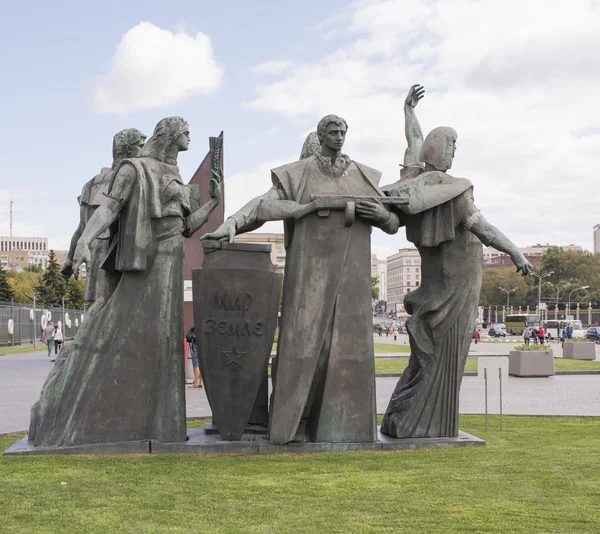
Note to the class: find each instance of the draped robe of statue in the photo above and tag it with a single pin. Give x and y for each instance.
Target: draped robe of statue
(122, 378)
(443, 308)
(99, 283)
(325, 371)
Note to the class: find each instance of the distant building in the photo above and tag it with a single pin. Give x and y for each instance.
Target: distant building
(403, 275)
(379, 269)
(20, 252)
(597, 239)
(276, 242)
(494, 259)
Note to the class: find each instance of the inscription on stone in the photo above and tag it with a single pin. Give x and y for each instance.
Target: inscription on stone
(233, 328)
(232, 300)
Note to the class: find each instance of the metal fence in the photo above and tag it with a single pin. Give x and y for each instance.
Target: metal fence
(27, 322)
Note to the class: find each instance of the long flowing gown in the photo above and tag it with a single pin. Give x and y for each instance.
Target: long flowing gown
(325, 373)
(443, 309)
(122, 379)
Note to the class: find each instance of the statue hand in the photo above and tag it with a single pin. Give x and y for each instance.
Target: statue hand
(225, 231)
(67, 270)
(415, 94)
(521, 263)
(372, 211)
(214, 189)
(82, 255)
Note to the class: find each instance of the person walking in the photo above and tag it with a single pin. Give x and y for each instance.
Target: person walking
(57, 338)
(541, 335)
(527, 336)
(190, 337)
(395, 333)
(476, 336)
(48, 336)
(534, 336)
(570, 331)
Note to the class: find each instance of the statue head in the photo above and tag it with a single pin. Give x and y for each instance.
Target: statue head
(439, 147)
(128, 143)
(332, 132)
(311, 146)
(172, 133)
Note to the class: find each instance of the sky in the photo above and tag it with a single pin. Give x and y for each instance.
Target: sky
(518, 80)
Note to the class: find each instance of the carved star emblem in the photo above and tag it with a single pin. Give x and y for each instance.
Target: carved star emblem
(233, 356)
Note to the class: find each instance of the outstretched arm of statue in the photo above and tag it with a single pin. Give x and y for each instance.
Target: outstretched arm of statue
(244, 220)
(67, 268)
(106, 214)
(489, 235)
(199, 217)
(412, 128)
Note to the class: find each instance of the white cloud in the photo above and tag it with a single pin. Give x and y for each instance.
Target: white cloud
(154, 68)
(520, 91)
(271, 67)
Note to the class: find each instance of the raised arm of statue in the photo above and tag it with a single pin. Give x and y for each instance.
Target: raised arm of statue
(197, 219)
(489, 235)
(412, 128)
(106, 214)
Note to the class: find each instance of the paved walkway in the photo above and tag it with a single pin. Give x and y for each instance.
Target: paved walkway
(22, 376)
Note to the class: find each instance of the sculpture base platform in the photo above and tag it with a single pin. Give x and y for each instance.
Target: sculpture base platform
(201, 442)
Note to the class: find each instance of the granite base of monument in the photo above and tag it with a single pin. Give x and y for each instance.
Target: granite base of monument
(202, 442)
(24, 448)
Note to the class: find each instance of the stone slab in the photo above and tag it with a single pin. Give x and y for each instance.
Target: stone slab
(200, 442)
(24, 448)
(463, 440)
(211, 428)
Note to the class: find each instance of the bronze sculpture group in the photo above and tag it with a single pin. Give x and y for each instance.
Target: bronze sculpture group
(121, 379)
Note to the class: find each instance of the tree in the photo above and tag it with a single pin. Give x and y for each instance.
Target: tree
(572, 269)
(23, 284)
(52, 286)
(375, 287)
(75, 292)
(6, 291)
(494, 279)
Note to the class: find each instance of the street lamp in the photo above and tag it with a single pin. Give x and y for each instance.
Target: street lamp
(508, 292)
(540, 277)
(569, 304)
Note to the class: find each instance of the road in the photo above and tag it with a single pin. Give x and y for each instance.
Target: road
(22, 376)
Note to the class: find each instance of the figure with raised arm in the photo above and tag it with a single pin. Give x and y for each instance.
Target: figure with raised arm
(448, 230)
(99, 283)
(124, 377)
(325, 386)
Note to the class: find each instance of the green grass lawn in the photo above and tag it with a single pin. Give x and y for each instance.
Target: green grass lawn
(397, 366)
(20, 350)
(538, 475)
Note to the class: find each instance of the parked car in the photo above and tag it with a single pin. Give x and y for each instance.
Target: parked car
(497, 330)
(593, 334)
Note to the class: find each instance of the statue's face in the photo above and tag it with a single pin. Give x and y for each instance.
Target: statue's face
(183, 141)
(450, 151)
(334, 137)
(133, 151)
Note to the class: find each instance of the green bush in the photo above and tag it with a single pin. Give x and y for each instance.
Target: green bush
(532, 348)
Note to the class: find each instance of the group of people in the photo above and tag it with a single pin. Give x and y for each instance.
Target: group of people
(537, 334)
(389, 331)
(52, 337)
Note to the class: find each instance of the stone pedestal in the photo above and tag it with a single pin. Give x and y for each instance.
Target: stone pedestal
(236, 296)
(579, 351)
(530, 363)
